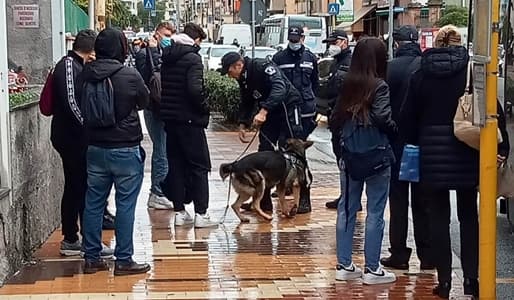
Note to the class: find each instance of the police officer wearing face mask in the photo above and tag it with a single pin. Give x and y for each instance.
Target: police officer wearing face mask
(339, 50)
(265, 90)
(301, 68)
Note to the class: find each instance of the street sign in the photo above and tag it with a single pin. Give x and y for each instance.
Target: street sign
(153, 13)
(345, 11)
(333, 9)
(245, 11)
(149, 4)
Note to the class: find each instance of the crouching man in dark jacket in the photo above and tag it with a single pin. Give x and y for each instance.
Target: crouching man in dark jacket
(185, 112)
(263, 86)
(114, 154)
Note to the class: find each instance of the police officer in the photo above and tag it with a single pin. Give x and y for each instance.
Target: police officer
(339, 49)
(301, 68)
(265, 88)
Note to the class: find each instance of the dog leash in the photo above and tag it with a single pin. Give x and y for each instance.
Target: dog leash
(222, 221)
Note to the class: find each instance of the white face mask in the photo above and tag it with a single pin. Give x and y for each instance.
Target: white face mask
(334, 50)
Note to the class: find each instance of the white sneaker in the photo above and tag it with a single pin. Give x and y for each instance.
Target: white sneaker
(203, 221)
(183, 218)
(379, 276)
(159, 202)
(348, 273)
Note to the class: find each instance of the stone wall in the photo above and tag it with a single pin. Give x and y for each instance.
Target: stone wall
(31, 47)
(34, 211)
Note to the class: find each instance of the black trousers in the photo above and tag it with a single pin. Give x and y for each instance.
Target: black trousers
(188, 166)
(399, 216)
(467, 212)
(75, 186)
(281, 124)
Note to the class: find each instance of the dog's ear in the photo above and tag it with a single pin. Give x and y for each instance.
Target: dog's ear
(289, 141)
(307, 144)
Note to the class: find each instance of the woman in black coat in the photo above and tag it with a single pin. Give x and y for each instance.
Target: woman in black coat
(445, 162)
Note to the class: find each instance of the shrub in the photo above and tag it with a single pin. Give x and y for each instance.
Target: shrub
(21, 98)
(223, 95)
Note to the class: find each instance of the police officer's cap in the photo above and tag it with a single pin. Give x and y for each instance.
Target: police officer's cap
(227, 60)
(337, 34)
(294, 34)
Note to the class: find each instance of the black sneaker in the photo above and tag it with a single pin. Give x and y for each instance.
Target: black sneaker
(471, 287)
(332, 204)
(93, 266)
(108, 222)
(130, 268)
(393, 263)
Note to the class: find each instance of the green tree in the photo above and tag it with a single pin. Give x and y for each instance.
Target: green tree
(454, 15)
(143, 14)
(117, 14)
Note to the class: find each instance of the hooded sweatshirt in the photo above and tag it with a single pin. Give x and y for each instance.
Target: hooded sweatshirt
(130, 92)
(183, 98)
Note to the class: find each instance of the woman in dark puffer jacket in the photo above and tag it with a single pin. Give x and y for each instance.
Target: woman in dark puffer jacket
(445, 162)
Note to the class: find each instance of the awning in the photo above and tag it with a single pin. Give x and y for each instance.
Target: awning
(357, 16)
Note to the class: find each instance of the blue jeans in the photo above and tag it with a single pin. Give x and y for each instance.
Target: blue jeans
(157, 134)
(122, 167)
(377, 191)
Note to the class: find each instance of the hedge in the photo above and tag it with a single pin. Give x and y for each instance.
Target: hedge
(223, 95)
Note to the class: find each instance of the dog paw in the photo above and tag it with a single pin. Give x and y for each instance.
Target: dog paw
(293, 211)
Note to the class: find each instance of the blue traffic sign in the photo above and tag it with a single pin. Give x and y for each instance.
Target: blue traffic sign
(333, 8)
(149, 4)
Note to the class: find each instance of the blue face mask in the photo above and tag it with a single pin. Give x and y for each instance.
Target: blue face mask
(165, 42)
(294, 46)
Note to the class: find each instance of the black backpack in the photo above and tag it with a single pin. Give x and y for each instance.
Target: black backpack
(97, 104)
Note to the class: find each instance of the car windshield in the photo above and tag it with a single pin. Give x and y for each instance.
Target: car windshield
(260, 53)
(219, 52)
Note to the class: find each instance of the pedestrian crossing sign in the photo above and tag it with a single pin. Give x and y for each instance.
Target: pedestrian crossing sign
(149, 4)
(333, 8)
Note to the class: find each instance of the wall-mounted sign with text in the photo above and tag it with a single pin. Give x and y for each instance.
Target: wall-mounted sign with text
(26, 16)
(345, 11)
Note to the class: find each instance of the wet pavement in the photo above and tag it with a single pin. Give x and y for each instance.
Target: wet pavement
(284, 258)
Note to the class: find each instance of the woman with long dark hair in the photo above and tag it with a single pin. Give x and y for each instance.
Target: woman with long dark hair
(363, 119)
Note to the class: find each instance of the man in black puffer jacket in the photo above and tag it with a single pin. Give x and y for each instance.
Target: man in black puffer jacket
(399, 71)
(114, 155)
(185, 112)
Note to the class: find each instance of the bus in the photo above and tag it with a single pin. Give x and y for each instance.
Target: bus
(273, 31)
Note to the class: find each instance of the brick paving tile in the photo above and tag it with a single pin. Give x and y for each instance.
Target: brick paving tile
(284, 258)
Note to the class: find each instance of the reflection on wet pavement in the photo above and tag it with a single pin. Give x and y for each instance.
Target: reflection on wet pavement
(284, 258)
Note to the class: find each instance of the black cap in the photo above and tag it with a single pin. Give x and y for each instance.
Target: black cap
(337, 34)
(227, 60)
(294, 34)
(406, 33)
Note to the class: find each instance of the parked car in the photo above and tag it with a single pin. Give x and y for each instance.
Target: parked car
(261, 52)
(204, 47)
(212, 60)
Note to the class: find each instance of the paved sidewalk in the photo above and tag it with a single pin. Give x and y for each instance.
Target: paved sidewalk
(284, 258)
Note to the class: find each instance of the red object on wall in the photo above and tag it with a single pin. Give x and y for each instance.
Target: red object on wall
(238, 5)
(428, 38)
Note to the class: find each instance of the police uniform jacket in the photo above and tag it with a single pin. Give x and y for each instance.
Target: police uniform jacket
(301, 68)
(263, 85)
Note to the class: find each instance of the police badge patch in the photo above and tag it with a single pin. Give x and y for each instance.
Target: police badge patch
(270, 70)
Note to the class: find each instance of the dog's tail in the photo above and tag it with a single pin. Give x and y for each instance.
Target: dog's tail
(226, 170)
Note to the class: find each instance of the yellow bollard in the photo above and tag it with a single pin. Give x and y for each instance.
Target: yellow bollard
(488, 173)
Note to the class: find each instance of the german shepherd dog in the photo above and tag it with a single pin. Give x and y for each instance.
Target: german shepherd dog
(253, 173)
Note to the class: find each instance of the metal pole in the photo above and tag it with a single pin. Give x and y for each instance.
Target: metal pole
(390, 31)
(91, 13)
(178, 15)
(253, 29)
(488, 170)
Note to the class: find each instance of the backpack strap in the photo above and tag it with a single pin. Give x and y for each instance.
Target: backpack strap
(70, 90)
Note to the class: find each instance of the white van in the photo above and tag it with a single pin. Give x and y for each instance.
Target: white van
(241, 32)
